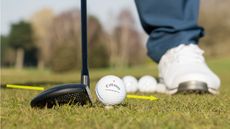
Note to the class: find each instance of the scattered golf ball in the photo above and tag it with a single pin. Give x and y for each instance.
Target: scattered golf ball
(147, 84)
(110, 90)
(161, 88)
(131, 83)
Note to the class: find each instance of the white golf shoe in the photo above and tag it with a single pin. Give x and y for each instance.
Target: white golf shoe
(183, 69)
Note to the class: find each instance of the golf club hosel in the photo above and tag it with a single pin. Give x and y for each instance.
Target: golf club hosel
(85, 80)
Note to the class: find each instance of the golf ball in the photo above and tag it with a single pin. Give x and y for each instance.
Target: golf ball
(147, 84)
(161, 88)
(110, 90)
(131, 83)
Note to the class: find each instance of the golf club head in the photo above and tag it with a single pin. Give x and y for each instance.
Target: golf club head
(72, 94)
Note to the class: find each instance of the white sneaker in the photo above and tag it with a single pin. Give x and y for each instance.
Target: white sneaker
(183, 69)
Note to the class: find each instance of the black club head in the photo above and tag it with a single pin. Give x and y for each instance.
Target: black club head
(70, 93)
(62, 94)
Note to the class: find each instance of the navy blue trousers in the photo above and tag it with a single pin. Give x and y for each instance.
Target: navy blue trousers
(169, 23)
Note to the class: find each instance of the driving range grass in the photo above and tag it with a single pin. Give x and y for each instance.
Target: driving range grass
(179, 111)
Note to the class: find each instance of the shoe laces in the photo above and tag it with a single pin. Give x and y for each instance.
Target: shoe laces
(183, 54)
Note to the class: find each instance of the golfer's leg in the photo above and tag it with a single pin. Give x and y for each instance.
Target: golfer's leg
(169, 23)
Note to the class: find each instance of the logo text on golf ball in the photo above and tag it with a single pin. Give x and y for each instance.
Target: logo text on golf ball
(112, 85)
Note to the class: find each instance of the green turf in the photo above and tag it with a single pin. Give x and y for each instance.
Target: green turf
(179, 111)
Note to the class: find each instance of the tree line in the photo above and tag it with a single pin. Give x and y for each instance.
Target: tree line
(53, 41)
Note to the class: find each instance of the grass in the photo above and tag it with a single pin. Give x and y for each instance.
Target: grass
(179, 111)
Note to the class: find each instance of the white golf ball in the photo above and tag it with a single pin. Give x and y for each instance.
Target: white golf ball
(147, 84)
(131, 83)
(110, 90)
(161, 88)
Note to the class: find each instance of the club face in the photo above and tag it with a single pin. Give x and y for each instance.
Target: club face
(72, 94)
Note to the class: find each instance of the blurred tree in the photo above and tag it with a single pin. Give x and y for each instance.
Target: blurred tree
(7, 54)
(64, 58)
(65, 37)
(41, 23)
(98, 44)
(129, 49)
(215, 17)
(65, 41)
(20, 39)
(3, 48)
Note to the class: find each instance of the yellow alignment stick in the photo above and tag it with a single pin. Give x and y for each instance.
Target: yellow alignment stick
(25, 87)
(152, 98)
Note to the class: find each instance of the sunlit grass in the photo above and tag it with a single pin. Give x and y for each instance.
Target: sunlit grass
(180, 111)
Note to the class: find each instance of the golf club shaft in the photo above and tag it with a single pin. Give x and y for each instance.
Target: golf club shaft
(84, 72)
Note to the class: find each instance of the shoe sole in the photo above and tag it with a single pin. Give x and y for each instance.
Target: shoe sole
(193, 87)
